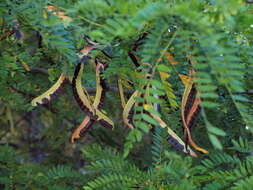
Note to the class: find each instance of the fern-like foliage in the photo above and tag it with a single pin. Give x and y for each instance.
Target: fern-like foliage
(217, 171)
(15, 173)
(36, 45)
(209, 33)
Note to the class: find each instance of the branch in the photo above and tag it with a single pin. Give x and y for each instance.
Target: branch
(6, 34)
(25, 94)
(112, 89)
(9, 144)
(89, 90)
(21, 92)
(39, 70)
(249, 1)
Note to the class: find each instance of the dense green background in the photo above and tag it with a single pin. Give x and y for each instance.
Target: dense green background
(35, 151)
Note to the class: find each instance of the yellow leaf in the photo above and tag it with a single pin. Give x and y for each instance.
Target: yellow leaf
(172, 60)
(25, 65)
(146, 106)
(164, 75)
(44, 14)
(184, 79)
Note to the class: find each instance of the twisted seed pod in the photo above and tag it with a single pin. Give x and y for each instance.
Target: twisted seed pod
(190, 108)
(50, 93)
(83, 101)
(97, 104)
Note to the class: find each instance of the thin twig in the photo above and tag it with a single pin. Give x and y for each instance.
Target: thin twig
(39, 70)
(32, 96)
(112, 89)
(6, 34)
(249, 1)
(89, 90)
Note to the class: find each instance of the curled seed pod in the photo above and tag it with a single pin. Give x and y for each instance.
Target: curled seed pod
(190, 108)
(50, 93)
(82, 99)
(79, 95)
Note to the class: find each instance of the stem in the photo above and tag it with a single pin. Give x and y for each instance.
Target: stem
(85, 19)
(164, 50)
(6, 35)
(89, 21)
(159, 59)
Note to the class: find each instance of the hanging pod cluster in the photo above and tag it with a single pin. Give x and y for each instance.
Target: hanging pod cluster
(92, 109)
(190, 104)
(190, 108)
(190, 100)
(128, 114)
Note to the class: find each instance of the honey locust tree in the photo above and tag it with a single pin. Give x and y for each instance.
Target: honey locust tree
(168, 76)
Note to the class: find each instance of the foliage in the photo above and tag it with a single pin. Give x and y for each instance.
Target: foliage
(16, 174)
(107, 169)
(220, 170)
(37, 46)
